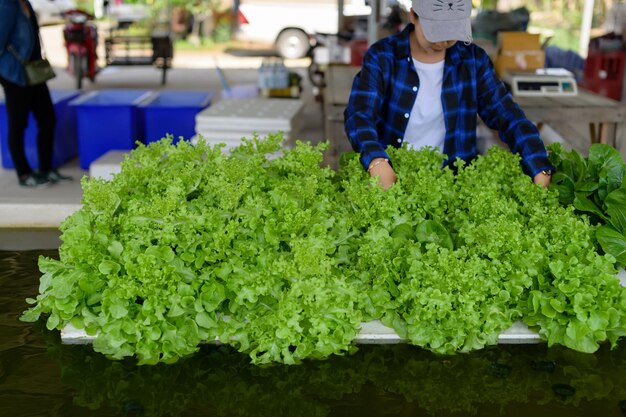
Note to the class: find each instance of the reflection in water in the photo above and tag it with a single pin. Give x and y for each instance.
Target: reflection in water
(40, 376)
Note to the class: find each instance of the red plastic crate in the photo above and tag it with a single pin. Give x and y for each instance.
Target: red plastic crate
(610, 89)
(604, 70)
(358, 48)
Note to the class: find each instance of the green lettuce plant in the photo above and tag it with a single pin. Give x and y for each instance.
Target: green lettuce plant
(284, 260)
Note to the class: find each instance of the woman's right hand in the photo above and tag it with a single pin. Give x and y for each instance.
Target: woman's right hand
(380, 167)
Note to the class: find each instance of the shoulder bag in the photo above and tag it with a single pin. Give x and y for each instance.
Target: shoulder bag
(37, 71)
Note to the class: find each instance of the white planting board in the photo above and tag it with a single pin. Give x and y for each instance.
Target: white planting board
(107, 165)
(373, 332)
(250, 115)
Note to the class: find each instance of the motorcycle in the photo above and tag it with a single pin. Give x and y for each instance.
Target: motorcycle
(327, 48)
(81, 40)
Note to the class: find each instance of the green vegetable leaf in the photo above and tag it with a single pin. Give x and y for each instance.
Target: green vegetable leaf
(583, 203)
(432, 231)
(615, 203)
(612, 242)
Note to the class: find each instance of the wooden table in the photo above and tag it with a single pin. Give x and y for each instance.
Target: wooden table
(606, 118)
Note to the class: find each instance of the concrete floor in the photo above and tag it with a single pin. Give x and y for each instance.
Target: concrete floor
(45, 208)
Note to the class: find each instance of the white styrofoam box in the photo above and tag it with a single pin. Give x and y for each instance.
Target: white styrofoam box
(231, 120)
(107, 165)
(222, 135)
(335, 54)
(256, 114)
(233, 143)
(233, 137)
(229, 143)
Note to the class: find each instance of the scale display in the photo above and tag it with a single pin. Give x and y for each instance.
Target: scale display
(532, 85)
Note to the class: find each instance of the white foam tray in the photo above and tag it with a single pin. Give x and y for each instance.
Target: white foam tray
(257, 114)
(237, 126)
(234, 138)
(233, 142)
(373, 332)
(107, 165)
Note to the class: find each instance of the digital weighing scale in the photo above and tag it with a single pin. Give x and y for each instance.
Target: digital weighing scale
(531, 84)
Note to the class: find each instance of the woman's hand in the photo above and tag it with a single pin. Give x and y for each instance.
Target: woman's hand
(543, 179)
(379, 167)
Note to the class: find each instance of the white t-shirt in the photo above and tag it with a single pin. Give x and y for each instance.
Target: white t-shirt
(426, 126)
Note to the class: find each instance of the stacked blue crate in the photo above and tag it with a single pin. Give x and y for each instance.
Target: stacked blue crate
(174, 113)
(108, 119)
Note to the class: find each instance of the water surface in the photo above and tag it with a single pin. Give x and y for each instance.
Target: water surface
(39, 376)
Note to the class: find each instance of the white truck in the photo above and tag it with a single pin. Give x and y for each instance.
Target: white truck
(291, 24)
(51, 11)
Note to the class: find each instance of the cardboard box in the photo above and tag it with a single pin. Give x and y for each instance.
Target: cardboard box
(518, 51)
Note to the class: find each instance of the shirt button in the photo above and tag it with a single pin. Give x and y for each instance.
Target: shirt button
(406, 115)
(414, 88)
(409, 59)
(399, 140)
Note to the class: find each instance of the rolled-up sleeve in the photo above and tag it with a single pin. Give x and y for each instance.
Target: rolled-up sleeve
(363, 110)
(499, 111)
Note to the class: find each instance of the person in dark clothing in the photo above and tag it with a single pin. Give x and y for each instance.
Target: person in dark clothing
(19, 41)
(426, 86)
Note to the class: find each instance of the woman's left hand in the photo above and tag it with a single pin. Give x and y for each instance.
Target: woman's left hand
(542, 179)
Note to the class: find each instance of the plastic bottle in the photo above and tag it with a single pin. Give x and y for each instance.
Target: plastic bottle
(263, 74)
(283, 75)
(273, 74)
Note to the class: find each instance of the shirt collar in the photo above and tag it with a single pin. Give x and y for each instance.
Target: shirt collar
(403, 48)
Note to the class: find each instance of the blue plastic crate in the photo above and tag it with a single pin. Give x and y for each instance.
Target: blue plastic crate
(65, 138)
(173, 112)
(108, 120)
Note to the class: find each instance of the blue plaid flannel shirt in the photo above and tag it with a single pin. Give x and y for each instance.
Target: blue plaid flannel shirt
(384, 91)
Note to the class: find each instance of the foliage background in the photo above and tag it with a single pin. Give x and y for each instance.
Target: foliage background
(557, 20)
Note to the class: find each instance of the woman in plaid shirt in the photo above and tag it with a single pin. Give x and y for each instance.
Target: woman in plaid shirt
(394, 96)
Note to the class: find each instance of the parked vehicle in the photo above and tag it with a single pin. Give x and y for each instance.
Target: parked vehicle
(81, 40)
(291, 24)
(127, 14)
(343, 48)
(51, 11)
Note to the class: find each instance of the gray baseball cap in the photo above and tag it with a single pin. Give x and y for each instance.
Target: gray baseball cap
(445, 20)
